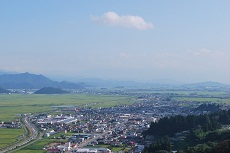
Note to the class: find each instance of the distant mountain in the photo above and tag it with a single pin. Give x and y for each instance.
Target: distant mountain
(50, 90)
(32, 81)
(2, 90)
(7, 72)
(208, 84)
(94, 82)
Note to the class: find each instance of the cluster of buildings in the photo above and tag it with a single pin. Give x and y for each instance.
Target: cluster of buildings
(13, 125)
(114, 126)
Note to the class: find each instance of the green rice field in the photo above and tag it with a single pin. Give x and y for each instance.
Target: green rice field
(11, 105)
(31, 151)
(204, 99)
(8, 136)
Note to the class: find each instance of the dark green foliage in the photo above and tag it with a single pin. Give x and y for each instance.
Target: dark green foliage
(50, 90)
(161, 146)
(202, 130)
(207, 143)
(208, 147)
(162, 151)
(208, 107)
(217, 136)
(197, 134)
(176, 124)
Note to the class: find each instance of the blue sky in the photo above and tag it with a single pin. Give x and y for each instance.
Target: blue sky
(148, 40)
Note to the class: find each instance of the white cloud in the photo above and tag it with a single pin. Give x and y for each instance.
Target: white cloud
(113, 19)
(206, 53)
(201, 52)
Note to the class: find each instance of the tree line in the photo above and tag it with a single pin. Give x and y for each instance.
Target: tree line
(175, 124)
(202, 129)
(160, 146)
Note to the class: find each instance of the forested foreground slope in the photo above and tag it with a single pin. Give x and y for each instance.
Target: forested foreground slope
(205, 133)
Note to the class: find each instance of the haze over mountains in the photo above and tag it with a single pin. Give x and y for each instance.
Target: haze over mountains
(206, 84)
(33, 81)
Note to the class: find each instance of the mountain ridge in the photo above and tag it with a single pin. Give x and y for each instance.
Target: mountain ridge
(33, 81)
(207, 84)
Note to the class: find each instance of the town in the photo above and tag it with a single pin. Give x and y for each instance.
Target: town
(106, 125)
(119, 126)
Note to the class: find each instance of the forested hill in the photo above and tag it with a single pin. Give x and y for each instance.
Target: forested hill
(207, 133)
(50, 90)
(32, 81)
(175, 124)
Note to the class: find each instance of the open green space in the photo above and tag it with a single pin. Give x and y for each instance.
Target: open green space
(31, 151)
(113, 148)
(204, 99)
(221, 97)
(14, 104)
(37, 147)
(8, 136)
(181, 92)
(10, 105)
(57, 135)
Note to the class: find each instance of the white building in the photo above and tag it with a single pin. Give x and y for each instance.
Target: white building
(93, 150)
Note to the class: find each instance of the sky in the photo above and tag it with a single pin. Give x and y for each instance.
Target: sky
(186, 41)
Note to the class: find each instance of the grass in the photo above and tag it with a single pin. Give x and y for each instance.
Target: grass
(8, 136)
(181, 92)
(114, 149)
(196, 99)
(22, 104)
(31, 151)
(11, 105)
(62, 133)
(39, 145)
(199, 96)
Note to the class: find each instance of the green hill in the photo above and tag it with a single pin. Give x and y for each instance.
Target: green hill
(50, 90)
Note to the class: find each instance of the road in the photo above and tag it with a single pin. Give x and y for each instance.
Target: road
(31, 134)
(85, 143)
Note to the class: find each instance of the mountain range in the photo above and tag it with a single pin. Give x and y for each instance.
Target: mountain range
(158, 83)
(33, 81)
(207, 84)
